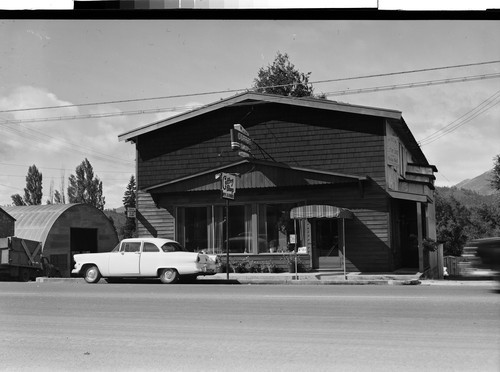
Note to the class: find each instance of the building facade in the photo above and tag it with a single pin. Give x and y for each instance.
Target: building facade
(307, 153)
(7, 224)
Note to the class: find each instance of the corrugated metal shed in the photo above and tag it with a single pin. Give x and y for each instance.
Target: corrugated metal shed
(64, 230)
(33, 222)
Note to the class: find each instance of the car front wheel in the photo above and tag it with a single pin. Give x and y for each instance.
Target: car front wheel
(169, 276)
(92, 274)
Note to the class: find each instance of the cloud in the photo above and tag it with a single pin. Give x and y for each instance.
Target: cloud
(24, 97)
(57, 147)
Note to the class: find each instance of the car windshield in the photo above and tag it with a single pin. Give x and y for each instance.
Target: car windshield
(116, 248)
(173, 247)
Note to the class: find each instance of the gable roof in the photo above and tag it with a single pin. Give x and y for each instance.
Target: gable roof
(256, 174)
(252, 98)
(7, 214)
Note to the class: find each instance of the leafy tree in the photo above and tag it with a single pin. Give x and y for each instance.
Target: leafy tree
(495, 181)
(84, 187)
(485, 221)
(283, 79)
(58, 198)
(129, 200)
(17, 200)
(33, 190)
(452, 218)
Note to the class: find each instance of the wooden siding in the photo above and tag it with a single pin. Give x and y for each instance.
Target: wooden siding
(152, 221)
(7, 223)
(351, 151)
(367, 242)
(256, 175)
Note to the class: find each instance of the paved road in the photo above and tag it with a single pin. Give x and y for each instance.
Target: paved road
(210, 327)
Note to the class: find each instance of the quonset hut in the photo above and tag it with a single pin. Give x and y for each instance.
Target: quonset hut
(64, 230)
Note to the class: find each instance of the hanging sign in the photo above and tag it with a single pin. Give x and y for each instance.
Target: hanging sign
(241, 141)
(228, 185)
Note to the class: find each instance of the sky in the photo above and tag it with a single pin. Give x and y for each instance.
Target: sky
(51, 63)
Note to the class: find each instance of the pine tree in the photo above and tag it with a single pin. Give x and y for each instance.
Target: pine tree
(129, 201)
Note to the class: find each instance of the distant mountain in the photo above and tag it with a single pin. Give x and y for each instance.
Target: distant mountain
(480, 184)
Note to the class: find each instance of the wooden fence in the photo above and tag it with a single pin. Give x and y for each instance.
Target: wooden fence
(455, 266)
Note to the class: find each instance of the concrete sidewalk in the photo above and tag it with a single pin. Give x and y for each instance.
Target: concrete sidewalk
(317, 278)
(400, 277)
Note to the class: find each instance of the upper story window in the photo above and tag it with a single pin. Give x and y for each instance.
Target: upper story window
(403, 159)
(397, 155)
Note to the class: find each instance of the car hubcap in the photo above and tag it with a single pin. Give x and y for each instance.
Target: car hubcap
(91, 274)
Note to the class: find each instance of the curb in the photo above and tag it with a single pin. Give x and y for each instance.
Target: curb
(307, 281)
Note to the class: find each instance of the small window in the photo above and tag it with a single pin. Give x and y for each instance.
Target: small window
(131, 247)
(172, 247)
(150, 247)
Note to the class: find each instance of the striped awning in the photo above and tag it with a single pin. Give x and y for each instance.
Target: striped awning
(320, 211)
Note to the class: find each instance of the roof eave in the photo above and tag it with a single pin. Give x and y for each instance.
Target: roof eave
(262, 98)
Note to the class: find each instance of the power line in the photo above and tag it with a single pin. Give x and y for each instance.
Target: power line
(429, 138)
(404, 72)
(246, 89)
(36, 137)
(102, 115)
(413, 85)
(335, 93)
(449, 128)
(66, 169)
(24, 176)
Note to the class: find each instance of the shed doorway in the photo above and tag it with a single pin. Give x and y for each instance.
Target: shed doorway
(83, 240)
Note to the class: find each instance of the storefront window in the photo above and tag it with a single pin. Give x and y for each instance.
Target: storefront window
(253, 228)
(276, 229)
(240, 229)
(193, 228)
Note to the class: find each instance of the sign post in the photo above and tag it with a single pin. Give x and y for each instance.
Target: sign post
(228, 189)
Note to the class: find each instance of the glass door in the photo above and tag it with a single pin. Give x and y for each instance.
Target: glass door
(326, 244)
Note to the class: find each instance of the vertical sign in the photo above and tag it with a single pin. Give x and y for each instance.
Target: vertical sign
(228, 185)
(241, 141)
(393, 151)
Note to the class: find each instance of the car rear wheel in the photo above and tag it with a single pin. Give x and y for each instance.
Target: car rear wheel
(169, 276)
(24, 275)
(92, 274)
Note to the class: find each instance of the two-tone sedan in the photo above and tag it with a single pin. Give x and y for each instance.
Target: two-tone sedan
(144, 258)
